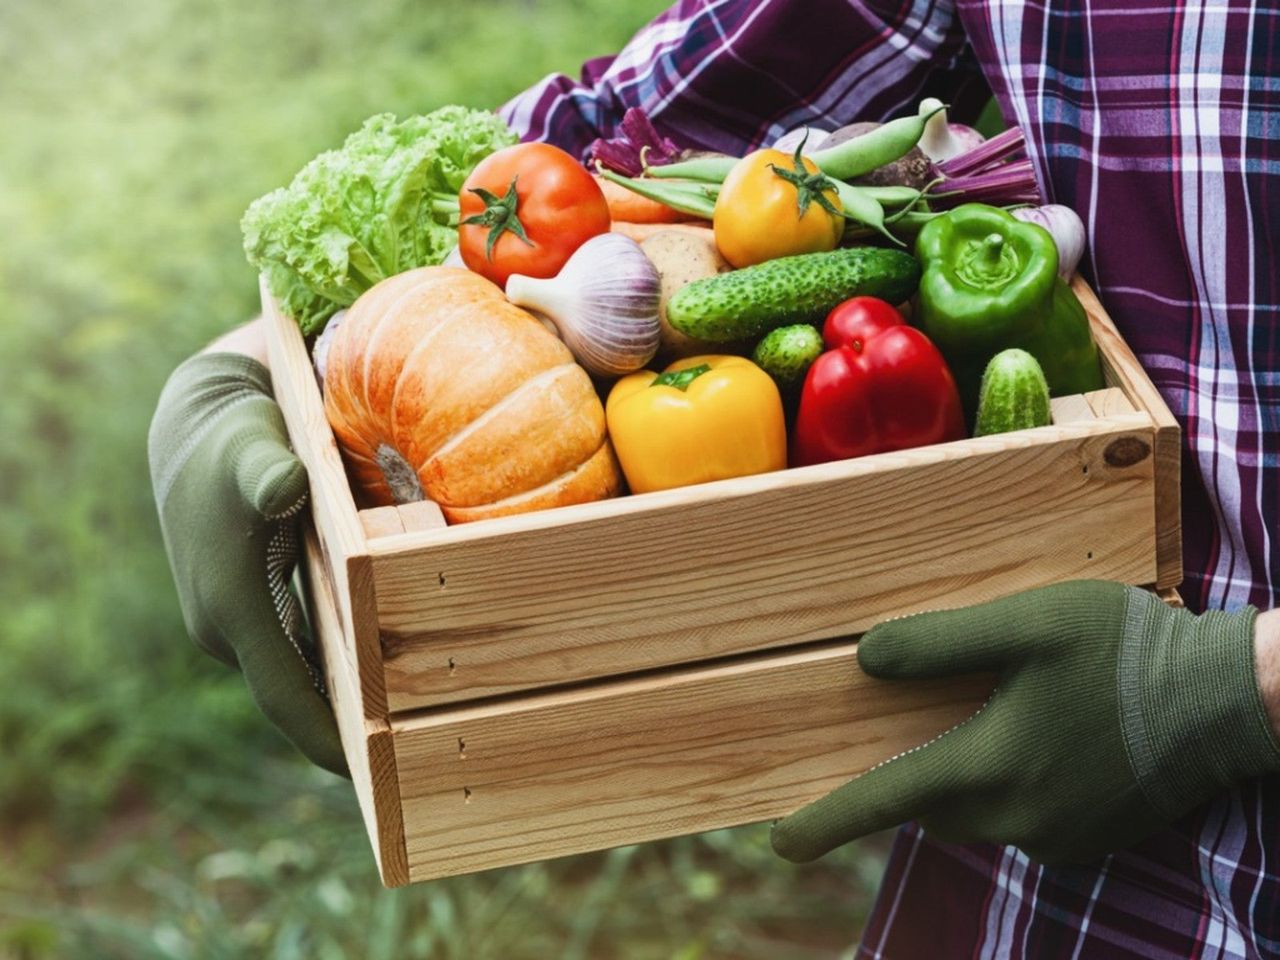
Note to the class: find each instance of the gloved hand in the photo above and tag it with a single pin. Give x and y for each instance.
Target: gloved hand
(1113, 715)
(229, 493)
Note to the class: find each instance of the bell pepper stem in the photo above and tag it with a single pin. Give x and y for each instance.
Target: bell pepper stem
(680, 379)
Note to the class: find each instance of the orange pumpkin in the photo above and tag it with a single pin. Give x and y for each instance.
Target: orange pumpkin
(438, 388)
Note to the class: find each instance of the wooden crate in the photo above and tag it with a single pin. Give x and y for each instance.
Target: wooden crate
(574, 679)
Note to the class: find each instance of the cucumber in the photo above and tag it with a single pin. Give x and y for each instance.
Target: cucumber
(786, 354)
(1014, 395)
(748, 303)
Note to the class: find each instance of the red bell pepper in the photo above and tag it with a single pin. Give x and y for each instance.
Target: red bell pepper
(880, 385)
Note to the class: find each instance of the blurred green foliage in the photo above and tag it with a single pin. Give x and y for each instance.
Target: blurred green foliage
(146, 810)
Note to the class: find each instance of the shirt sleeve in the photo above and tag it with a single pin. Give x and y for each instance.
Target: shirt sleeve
(730, 75)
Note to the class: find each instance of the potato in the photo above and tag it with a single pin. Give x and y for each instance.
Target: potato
(682, 256)
(640, 232)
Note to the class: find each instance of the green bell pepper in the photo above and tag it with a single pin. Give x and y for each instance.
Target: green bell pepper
(990, 283)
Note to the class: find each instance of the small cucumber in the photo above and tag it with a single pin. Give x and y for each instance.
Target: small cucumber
(786, 354)
(748, 303)
(1013, 395)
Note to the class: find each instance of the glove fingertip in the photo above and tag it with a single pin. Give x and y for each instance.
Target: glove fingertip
(280, 488)
(329, 756)
(272, 480)
(880, 651)
(792, 844)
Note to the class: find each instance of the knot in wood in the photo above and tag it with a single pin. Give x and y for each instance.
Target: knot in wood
(1126, 451)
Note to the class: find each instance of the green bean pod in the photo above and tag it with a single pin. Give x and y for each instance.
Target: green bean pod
(858, 205)
(705, 169)
(906, 223)
(885, 144)
(696, 199)
(893, 196)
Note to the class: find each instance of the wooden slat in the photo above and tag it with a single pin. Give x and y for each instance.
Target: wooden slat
(422, 515)
(702, 572)
(366, 743)
(1071, 409)
(1108, 402)
(381, 522)
(338, 559)
(635, 760)
(404, 518)
(1122, 370)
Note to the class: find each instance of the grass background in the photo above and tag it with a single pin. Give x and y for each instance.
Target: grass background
(146, 810)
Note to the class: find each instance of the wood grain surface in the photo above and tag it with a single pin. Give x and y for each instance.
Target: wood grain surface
(404, 518)
(756, 562)
(658, 756)
(342, 598)
(367, 743)
(1071, 409)
(1123, 370)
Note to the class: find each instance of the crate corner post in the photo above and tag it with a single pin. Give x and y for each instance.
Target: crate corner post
(343, 608)
(1122, 369)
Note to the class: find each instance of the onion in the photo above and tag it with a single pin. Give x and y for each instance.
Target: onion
(1066, 229)
(788, 142)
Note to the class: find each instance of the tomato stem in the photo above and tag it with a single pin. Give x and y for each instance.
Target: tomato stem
(500, 215)
(810, 187)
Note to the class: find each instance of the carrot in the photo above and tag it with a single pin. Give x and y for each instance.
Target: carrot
(629, 207)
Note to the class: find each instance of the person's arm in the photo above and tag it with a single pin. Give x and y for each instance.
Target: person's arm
(1267, 659)
(729, 75)
(249, 339)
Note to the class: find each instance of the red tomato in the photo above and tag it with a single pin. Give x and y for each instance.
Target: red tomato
(526, 209)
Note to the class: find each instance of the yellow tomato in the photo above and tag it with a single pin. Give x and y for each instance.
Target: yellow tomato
(774, 205)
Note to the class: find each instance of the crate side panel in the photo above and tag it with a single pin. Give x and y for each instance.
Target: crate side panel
(341, 532)
(366, 743)
(1123, 370)
(784, 564)
(640, 760)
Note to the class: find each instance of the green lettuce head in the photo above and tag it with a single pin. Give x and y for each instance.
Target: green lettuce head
(382, 204)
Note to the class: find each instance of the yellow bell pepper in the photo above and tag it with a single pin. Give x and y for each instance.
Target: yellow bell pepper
(704, 418)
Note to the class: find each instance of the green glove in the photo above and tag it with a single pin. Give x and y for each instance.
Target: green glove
(1113, 715)
(229, 493)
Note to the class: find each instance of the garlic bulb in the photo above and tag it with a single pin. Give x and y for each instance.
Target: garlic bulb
(603, 304)
(942, 140)
(1066, 228)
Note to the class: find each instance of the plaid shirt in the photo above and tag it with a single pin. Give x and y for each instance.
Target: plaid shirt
(1159, 122)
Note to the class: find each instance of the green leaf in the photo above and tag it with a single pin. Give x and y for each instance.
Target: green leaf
(370, 210)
